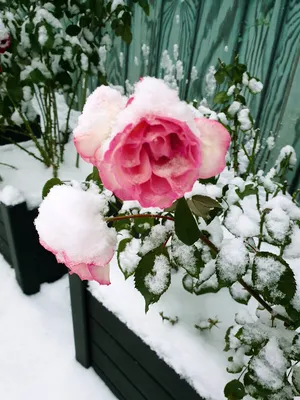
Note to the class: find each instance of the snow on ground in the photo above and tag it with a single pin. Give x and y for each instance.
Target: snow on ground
(37, 359)
(197, 356)
(31, 174)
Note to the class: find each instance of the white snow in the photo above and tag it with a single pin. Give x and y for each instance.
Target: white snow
(222, 118)
(270, 142)
(194, 73)
(31, 174)
(116, 3)
(245, 80)
(37, 348)
(10, 196)
(286, 151)
(156, 281)
(234, 108)
(196, 356)
(230, 90)
(84, 236)
(270, 366)
(244, 120)
(242, 223)
(210, 81)
(84, 62)
(255, 86)
(129, 258)
(232, 260)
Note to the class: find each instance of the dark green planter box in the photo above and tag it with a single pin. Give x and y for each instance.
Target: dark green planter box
(123, 361)
(19, 244)
(15, 133)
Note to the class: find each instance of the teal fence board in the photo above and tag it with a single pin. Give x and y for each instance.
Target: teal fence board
(265, 33)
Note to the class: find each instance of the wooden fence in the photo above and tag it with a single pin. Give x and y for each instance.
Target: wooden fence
(265, 33)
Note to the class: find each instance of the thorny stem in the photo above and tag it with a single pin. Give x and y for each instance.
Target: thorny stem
(235, 147)
(248, 288)
(261, 226)
(8, 165)
(23, 148)
(138, 216)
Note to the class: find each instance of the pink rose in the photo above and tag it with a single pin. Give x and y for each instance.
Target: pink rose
(156, 149)
(5, 40)
(154, 161)
(71, 226)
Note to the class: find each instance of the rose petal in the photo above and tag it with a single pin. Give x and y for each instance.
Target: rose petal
(87, 146)
(215, 141)
(100, 274)
(82, 271)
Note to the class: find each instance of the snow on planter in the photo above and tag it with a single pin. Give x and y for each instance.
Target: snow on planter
(196, 356)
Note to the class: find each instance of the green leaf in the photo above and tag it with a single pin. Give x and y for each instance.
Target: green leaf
(37, 77)
(49, 185)
(191, 261)
(64, 78)
(14, 90)
(296, 378)
(127, 35)
(239, 294)
(220, 76)
(234, 390)
(121, 247)
(210, 285)
(172, 207)
(188, 283)
(119, 30)
(95, 177)
(144, 270)
(241, 99)
(186, 227)
(73, 30)
(295, 350)
(221, 98)
(202, 205)
(142, 226)
(145, 6)
(227, 339)
(84, 21)
(273, 277)
(249, 190)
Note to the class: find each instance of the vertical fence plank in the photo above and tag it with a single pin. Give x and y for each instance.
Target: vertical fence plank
(282, 72)
(258, 42)
(179, 22)
(145, 31)
(219, 26)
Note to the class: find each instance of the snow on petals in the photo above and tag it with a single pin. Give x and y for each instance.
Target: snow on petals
(5, 40)
(154, 155)
(96, 121)
(71, 226)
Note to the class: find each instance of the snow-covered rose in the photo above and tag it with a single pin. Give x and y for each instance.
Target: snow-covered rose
(5, 40)
(157, 149)
(71, 226)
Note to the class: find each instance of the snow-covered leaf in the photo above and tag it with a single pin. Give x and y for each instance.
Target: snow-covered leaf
(239, 294)
(188, 283)
(296, 378)
(153, 276)
(232, 261)
(273, 277)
